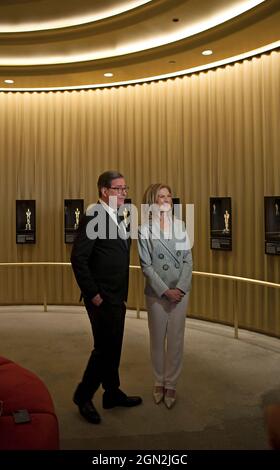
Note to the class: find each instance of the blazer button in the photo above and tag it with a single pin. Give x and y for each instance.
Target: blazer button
(177, 266)
(161, 256)
(165, 267)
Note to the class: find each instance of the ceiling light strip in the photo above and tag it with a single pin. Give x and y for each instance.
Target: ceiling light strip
(199, 68)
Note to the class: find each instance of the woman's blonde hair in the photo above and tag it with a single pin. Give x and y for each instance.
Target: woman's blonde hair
(151, 193)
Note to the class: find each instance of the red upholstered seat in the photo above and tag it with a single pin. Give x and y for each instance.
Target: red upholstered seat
(272, 418)
(22, 389)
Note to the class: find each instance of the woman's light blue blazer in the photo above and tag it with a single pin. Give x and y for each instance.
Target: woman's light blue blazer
(166, 263)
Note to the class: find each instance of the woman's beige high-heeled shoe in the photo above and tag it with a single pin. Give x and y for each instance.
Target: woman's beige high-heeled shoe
(158, 394)
(169, 398)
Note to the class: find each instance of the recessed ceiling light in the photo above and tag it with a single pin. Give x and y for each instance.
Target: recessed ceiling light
(207, 52)
(108, 74)
(175, 20)
(230, 60)
(172, 62)
(9, 81)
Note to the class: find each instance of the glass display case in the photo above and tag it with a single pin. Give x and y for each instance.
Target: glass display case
(272, 225)
(25, 221)
(73, 212)
(220, 223)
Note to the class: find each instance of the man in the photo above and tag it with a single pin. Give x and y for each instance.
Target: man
(100, 261)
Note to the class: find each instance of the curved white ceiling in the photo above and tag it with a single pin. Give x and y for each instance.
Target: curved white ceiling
(208, 20)
(149, 40)
(112, 8)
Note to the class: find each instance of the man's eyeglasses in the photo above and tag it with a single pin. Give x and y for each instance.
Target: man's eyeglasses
(120, 189)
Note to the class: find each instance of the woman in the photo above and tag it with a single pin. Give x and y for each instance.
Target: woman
(166, 262)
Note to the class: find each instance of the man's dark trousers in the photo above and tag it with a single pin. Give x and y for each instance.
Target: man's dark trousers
(107, 322)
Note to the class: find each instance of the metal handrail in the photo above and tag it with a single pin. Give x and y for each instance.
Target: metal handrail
(235, 279)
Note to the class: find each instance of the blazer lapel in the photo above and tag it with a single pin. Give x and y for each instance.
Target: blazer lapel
(164, 243)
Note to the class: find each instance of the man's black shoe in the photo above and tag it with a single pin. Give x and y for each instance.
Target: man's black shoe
(119, 399)
(88, 411)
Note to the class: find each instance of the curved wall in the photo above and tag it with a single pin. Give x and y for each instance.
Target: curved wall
(216, 133)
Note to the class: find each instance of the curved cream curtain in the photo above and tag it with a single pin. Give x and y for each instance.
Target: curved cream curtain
(216, 133)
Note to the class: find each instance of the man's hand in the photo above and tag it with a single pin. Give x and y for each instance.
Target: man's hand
(174, 295)
(97, 300)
